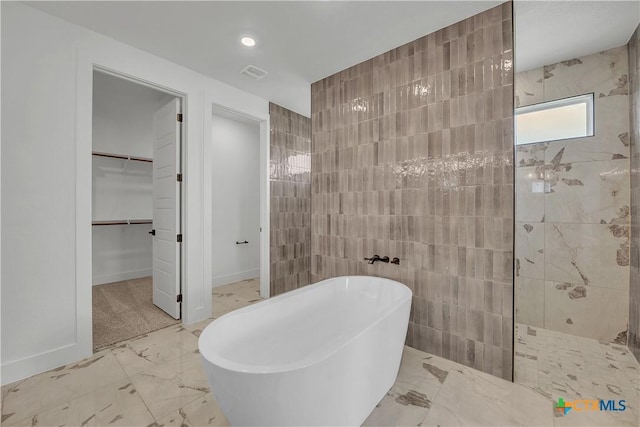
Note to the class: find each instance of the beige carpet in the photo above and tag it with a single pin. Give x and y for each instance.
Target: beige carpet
(125, 310)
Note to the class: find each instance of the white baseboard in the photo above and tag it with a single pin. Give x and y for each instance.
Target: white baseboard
(119, 277)
(24, 368)
(235, 277)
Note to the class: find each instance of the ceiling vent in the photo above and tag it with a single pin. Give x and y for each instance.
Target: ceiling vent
(253, 72)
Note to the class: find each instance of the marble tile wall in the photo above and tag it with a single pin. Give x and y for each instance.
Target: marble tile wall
(634, 116)
(290, 183)
(412, 157)
(572, 241)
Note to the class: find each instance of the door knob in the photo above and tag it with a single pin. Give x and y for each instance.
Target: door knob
(152, 232)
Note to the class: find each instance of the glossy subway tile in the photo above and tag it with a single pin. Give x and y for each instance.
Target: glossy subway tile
(290, 194)
(412, 156)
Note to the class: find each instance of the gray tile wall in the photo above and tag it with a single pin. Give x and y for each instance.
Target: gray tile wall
(290, 183)
(412, 156)
(634, 285)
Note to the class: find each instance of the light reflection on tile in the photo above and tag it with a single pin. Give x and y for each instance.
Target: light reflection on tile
(580, 310)
(588, 192)
(470, 397)
(587, 254)
(412, 157)
(530, 301)
(290, 199)
(530, 197)
(201, 412)
(154, 350)
(529, 250)
(33, 395)
(172, 385)
(117, 404)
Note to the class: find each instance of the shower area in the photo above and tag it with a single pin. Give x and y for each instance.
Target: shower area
(574, 208)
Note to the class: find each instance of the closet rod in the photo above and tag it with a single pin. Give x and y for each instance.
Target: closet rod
(121, 156)
(123, 222)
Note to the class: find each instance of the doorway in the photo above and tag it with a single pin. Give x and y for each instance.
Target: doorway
(136, 215)
(236, 204)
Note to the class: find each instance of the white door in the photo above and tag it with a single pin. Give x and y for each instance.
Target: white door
(166, 208)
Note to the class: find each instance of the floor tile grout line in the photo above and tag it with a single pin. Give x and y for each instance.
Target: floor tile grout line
(143, 399)
(134, 386)
(437, 394)
(161, 330)
(75, 397)
(80, 396)
(165, 362)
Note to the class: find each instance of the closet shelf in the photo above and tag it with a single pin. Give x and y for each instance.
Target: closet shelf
(122, 156)
(123, 222)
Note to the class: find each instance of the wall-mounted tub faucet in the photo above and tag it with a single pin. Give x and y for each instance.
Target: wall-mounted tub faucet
(377, 258)
(395, 260)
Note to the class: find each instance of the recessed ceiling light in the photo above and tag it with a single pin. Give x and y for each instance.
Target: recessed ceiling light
(248, 41)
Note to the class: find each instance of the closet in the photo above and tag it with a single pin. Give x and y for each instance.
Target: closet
(125, 179)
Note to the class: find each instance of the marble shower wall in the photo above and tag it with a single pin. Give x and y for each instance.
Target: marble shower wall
(572, 242)
(413, 158)
(290, 183)
(634, 116)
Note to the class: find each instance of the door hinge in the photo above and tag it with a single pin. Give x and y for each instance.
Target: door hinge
(179, 177)
(179, 117)
(179, 238)
(179, 299)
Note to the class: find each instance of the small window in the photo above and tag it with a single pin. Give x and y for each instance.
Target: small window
(553, 120)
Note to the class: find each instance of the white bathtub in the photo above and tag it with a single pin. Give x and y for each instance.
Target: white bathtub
(324, 354)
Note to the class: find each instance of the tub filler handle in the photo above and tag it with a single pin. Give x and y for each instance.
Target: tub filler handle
(377, 258)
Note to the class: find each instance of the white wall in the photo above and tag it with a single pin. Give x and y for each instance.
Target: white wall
(121, 189)
(121, 252)
(123, 115)
(46, 182)
(122, 124)
(236, 199)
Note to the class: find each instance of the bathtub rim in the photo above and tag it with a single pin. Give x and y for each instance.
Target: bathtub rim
(232, 366)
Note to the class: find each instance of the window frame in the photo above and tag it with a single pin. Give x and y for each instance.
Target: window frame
(586, 98)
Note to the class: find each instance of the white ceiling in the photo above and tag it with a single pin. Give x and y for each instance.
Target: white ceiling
(301, 42)
(547, 32)
(298, 43)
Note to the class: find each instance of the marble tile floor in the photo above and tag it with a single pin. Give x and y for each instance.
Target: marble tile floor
(557, 365)
(155, 379)
(158, 380)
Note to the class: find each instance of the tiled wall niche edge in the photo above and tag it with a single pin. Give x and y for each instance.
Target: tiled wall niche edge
(634, 115)
(412, 156)
(290, 199)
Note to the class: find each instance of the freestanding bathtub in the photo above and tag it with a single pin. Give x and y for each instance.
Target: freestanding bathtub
(325, 354)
